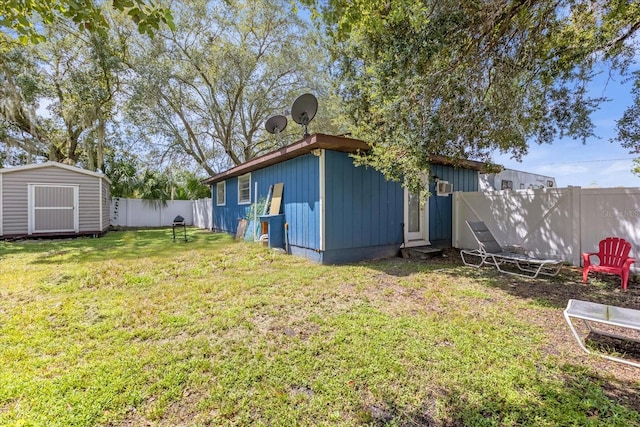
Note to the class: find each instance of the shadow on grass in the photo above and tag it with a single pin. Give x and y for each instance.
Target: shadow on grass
(544, 291)
(577, 397)
(557, 291)
(613, 346)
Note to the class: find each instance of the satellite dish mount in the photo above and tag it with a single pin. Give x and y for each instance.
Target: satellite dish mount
(276, 124)
(303, 110)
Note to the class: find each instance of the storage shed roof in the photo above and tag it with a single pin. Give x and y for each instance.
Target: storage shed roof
(55, 165)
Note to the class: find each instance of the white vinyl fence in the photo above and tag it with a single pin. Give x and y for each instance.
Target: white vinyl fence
(202, 213)
(149, 213)
(146, 213)
(551, 222)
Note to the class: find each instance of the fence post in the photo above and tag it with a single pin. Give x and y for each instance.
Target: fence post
(128, 212)
(576, 225)
(454, 220)
(163, 211)
(210, 214)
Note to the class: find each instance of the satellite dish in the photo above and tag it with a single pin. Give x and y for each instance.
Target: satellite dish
(276, 124)
(303, 110)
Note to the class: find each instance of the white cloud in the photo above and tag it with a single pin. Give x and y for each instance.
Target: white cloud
(618, 166)
(562, 170)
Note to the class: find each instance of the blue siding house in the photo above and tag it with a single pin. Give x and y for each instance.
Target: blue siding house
(334, 212)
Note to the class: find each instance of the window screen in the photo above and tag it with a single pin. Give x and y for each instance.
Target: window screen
(244, 189)
(221, 193)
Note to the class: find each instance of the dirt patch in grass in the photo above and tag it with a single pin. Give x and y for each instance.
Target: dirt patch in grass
(544, 298)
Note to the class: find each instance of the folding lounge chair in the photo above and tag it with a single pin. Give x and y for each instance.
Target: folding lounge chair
(621, 323)
(490, 252)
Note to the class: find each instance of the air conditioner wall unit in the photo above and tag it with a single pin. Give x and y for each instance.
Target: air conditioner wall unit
(444, 188)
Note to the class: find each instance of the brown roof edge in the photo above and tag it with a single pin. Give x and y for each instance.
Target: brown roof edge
(460, 163)
(321, 141)
(304, 146)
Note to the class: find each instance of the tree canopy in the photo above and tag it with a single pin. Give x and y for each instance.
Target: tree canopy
(26, 17)
(59, 86)
(415, 79)
(58, 96)
(206, 89)
(195, 96)
(464, 79)
(629, 124)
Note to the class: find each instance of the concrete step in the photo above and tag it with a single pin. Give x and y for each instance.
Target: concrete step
(421, 252)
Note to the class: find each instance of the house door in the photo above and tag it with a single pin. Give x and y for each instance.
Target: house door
(416, 227)
(53, 208)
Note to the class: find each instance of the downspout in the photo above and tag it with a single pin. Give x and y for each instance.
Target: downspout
(322, 165)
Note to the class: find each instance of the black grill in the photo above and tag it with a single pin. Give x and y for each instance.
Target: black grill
(177, 222)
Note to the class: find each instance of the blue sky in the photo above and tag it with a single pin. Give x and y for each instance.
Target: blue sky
(598, 163)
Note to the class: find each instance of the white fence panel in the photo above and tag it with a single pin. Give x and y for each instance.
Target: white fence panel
(202, 214)
(145, 213)
(551, 222)
(539, 220)
(610, 212)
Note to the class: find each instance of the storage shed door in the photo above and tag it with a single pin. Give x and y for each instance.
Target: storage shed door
(53, 208)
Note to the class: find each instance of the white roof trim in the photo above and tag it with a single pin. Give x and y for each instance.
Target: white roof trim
(57, 165)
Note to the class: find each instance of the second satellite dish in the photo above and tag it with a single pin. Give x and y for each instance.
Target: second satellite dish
(276, 124)
(303, 110)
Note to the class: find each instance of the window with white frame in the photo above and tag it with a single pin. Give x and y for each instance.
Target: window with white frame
(221, 193)
(244, 189)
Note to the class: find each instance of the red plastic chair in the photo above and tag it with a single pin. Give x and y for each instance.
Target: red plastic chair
(614, 259)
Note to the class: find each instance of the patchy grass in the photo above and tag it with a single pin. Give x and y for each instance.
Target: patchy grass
(134, 329)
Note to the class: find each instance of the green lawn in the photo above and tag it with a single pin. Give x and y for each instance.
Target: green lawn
(134, 329)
